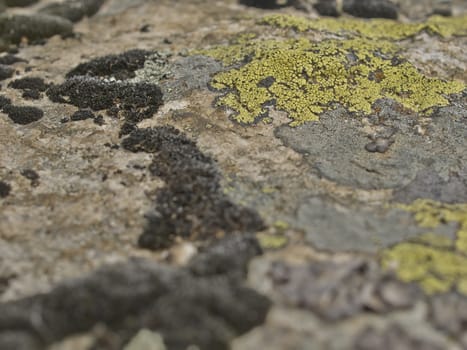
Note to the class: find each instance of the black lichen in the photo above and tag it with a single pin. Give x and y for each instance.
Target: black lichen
(264, 4)
(192, 204)
(31, 86)
(136, 101)
(23, 114)
(230, 255)
(5, 189)
(121, 66)
(10, 59)
(6, 72)
(82, 114)
(4, 101)
(20, 3)
(28, 83)
(73, 10)
(186, 309)
(31, 95)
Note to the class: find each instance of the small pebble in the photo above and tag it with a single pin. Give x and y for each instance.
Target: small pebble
(380, 145)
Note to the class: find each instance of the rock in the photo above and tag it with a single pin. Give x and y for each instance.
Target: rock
(14, 28)
(371, 8)
(335, 291)
(73, 10)
(449, 313)
(232, 175)
(392, 338)
(364, 9)
(146, 340)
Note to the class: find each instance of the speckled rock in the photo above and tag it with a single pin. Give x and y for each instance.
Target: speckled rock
(232, 175)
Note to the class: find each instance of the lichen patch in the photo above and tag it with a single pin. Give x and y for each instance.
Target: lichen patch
(437, 263)
(306, 78)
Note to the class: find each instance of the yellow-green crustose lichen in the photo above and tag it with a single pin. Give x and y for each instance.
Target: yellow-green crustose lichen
(305, 78)
(373, 29)
(437, 263)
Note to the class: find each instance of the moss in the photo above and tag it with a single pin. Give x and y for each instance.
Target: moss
(437, 263)
(305, 78)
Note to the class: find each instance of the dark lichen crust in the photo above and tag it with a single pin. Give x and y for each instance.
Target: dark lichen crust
(121, 66)
(136, 101)
(181, 305)
(192, 204)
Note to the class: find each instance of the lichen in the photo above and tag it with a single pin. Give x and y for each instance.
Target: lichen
(436, 262)
(268, 241)
(305, 78)
(374, 28)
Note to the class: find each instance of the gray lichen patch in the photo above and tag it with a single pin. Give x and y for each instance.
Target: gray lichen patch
(335, 147)
(179, 76)
(332, 227)
(428, 184)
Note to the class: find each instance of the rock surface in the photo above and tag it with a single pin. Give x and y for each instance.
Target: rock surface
(233, 174)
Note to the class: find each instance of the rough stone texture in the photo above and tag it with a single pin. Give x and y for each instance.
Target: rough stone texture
(335, 291)
(73, 10)
(112, 141)
(392, 338)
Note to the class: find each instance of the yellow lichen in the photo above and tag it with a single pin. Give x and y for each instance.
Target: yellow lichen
(374, 28)
(267, 241)
(436, 262)
(305, 78)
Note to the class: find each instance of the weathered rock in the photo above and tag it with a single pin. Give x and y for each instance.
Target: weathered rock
(341, 139)
(392, 338)
(73, 10)
(340, 290)
(14, 28)
(449, 313)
